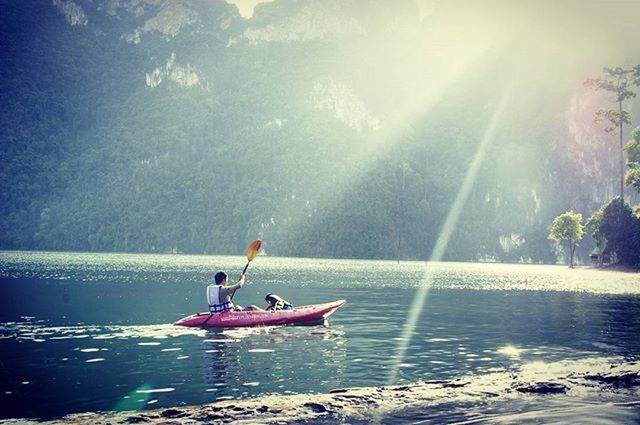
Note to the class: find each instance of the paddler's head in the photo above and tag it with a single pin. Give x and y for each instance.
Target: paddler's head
(221, 278)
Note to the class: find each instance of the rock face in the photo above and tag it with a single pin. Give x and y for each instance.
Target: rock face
(184, 76)
(171, 18)
(341, 101)
(167, 18)
(135, 7)
(73, 13)
(313, 21)
(618, 376)
(397, 403)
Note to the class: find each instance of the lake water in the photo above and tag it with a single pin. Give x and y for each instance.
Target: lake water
(92, 332)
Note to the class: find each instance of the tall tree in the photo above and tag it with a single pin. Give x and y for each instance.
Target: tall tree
(568, 227)
(618, 81)
(633, 160)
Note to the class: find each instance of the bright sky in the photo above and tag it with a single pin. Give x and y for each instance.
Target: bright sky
(246, 6)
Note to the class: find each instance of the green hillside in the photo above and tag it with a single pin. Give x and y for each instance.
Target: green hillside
(158, 126)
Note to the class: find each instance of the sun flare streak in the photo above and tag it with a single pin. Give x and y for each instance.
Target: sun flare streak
(445, 235)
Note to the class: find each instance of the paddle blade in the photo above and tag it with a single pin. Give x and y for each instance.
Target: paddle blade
(254, 249)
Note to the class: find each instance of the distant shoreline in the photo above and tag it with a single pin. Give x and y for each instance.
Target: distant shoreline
(616, 268)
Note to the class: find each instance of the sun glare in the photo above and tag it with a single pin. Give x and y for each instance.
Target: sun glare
(246, 7)
(510, 351)
(420, 72)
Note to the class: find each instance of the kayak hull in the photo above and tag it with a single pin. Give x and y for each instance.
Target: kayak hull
(234, 319)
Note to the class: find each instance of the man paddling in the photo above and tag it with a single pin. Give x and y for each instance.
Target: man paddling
(219, 294)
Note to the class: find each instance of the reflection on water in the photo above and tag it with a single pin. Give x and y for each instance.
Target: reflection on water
(83, 332)
(242, 361)
(234, 363)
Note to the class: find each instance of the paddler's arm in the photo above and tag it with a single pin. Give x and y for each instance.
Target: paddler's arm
(227, 291)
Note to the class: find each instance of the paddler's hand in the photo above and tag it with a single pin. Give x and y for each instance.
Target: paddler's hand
(241, 281)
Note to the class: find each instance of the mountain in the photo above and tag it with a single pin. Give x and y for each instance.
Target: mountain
(325, 127)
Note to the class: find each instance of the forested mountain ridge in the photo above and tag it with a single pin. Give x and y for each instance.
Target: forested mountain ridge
(178, 125)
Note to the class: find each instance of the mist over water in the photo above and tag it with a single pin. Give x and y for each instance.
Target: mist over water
(83, 332)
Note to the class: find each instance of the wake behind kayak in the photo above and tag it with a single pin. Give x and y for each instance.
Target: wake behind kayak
(234, 319)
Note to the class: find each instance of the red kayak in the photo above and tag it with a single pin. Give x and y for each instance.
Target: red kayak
(233, 319)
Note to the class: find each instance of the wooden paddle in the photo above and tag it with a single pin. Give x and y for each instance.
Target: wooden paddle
(252, 252)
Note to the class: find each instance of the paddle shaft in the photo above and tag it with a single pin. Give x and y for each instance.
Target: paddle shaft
(252, 251)
(243, 272)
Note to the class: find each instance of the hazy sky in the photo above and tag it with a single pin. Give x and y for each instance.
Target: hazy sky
(587, 33)
(246, 6)
(580, 29)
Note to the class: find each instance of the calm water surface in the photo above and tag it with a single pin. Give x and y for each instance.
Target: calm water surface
(86, 332)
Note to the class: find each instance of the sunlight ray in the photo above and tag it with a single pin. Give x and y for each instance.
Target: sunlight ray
(391, 132)
(445, 235)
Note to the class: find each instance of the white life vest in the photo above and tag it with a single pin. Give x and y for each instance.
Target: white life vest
(215, 303)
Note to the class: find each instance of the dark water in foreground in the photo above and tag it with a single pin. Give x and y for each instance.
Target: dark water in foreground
(87, 332)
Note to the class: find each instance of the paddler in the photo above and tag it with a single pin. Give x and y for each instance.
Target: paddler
(219, 294)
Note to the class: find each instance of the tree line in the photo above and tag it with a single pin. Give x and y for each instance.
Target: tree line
(615, 226)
